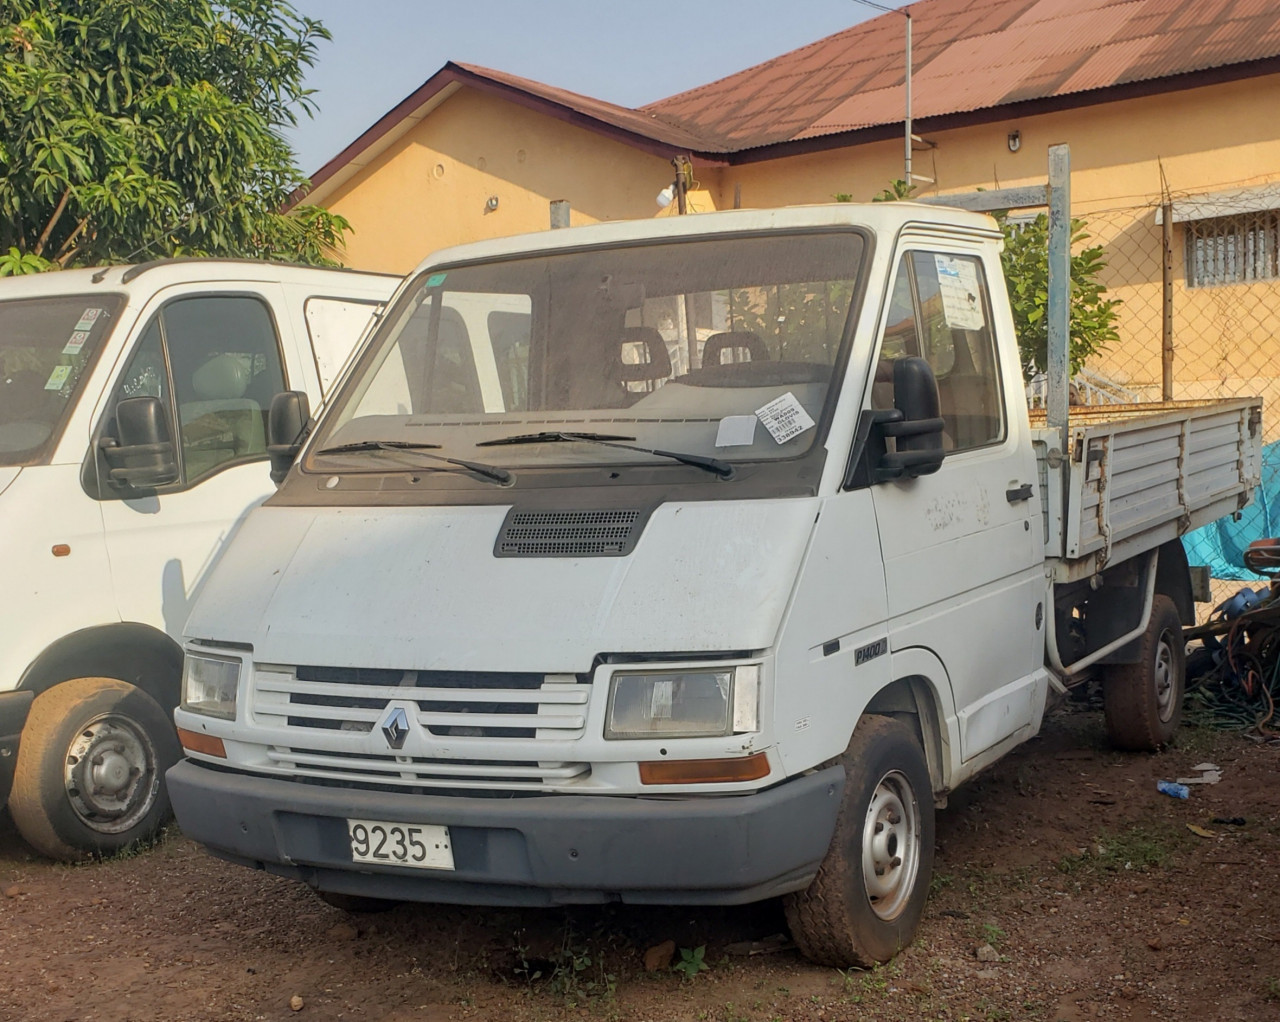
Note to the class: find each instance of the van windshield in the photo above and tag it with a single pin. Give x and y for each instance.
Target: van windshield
(723, 349)
(47, 346)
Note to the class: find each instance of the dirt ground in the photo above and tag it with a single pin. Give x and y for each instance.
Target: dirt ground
(1066, 888)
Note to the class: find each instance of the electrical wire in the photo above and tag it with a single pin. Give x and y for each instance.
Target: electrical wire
(1233, 679)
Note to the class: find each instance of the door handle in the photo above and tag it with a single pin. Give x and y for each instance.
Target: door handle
(1022, 493)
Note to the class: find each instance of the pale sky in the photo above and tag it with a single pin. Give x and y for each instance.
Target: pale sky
(619, 50)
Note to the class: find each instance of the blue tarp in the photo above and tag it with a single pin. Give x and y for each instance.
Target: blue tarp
(1221, 544)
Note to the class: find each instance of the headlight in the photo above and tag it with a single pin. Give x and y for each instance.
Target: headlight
(684, 703)
(209, 685)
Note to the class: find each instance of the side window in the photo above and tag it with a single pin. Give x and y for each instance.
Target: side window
(223, 356)
(940, 310)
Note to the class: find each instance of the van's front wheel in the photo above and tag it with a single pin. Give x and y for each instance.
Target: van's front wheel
(864, 905)
(90, 772)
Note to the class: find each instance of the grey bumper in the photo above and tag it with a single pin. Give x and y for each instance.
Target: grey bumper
(542, 850)
(14, 707)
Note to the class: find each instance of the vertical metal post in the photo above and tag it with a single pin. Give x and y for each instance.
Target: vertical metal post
(1166, 318)
(907, 171)
(1059, 311)
(559, 213)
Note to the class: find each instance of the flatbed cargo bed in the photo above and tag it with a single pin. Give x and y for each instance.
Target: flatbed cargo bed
(1140, 475)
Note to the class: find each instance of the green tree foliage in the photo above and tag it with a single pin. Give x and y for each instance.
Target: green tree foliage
(144, 128)
(1026, 272)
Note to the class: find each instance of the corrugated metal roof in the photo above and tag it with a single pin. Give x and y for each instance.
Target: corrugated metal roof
(970, 55)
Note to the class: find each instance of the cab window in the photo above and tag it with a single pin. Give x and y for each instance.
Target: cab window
(939, 310)
(216, 359)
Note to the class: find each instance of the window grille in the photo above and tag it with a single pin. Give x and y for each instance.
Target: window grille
(1236, 249)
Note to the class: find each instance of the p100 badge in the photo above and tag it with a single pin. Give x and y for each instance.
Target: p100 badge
(869, 652)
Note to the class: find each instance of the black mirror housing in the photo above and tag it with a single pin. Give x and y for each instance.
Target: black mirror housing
(287, 427)
(915, 423)
(141, 455)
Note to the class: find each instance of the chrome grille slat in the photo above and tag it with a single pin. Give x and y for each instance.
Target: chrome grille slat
(429, 768)
(281, 683)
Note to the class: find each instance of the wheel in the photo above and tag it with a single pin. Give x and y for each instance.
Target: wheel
(864, 905)
(359, 904)
(90, 773)
(1142, 701)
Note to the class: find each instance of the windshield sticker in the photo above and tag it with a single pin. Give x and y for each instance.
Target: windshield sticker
(436, 279)
(785, 418)
(958, 286)
(76, 342)
(736, 431)
(88, 318)
(58, 378)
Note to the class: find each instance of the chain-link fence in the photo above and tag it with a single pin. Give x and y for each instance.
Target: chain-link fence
(1199, 282)
(1207, 328)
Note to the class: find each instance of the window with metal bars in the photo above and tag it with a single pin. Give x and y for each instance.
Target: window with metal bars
(1236, 249)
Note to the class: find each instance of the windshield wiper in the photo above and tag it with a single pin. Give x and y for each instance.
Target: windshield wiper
(551, 438)
(721, 468)
(499, 475)
(378, 445)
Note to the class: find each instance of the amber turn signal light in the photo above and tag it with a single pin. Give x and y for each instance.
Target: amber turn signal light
(705, 771)
(193, 741)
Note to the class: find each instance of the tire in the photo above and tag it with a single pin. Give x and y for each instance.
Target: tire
(864, 905)
(356, 904)
(1142, 701)
(89, 780)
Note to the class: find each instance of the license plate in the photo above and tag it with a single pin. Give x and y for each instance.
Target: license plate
(419, 846)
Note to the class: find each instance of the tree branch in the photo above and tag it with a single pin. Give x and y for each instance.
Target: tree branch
(62, 259)
(48, 228)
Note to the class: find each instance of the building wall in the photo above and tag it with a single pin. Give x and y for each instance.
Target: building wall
(430, 188)
(1214, 138)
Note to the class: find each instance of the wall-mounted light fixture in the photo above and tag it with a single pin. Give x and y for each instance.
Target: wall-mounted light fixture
(1015, 141)
(491, 204)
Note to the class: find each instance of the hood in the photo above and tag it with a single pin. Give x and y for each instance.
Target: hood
(420, 588)
(8, 473)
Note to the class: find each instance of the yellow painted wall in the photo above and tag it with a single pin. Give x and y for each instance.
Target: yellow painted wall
(429, 189)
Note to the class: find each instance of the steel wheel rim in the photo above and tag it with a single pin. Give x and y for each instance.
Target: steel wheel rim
(891, 845)
(1164, 677)
(110, 775)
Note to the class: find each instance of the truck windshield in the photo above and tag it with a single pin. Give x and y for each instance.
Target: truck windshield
(722, 349)
(47, 346)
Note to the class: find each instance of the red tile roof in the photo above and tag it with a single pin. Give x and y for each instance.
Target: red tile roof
(971, 55)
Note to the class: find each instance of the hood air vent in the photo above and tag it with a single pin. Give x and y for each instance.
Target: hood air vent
(608, 533)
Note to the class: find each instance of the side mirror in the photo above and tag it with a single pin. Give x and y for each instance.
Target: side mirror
(286, 430)
(141, 455)
(914, 423)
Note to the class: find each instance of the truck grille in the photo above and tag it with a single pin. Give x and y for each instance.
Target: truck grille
(327, 722)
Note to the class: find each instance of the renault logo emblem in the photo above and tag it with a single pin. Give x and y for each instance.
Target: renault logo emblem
(396, 728)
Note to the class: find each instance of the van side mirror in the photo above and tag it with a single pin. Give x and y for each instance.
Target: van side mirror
(141, 455)
(914, 423)
(287, 423)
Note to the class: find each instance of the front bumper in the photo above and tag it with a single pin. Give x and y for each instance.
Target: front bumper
(14, 707)
(542, 850)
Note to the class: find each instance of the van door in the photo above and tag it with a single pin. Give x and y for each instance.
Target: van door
(963, 562)
(215, 361)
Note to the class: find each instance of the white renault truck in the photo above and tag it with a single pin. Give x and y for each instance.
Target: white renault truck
(697, 571)
(133, 402)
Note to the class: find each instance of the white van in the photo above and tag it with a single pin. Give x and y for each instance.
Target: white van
(133, 404)
(753, 554)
